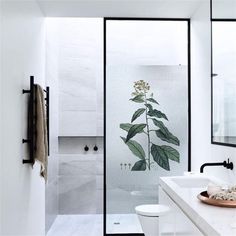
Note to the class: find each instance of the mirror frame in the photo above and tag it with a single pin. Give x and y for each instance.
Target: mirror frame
(211, 21)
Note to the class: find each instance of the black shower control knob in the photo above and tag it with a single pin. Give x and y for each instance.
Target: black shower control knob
(86, 148)
(95, 148)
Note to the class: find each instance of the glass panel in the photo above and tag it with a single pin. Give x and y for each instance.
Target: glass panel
(146, 64)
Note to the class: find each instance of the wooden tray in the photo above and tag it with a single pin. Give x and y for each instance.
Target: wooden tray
(203, 197)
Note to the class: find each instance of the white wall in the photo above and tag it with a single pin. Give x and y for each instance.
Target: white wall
(22, 189)
(201, 86)
(202, 149)
(1, 76)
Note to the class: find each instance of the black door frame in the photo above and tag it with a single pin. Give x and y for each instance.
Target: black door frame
(104, 74)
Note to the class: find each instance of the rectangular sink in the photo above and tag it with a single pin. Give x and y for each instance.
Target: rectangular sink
(191, 182)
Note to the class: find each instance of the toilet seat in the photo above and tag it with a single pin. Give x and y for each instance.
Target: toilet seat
(152, 210)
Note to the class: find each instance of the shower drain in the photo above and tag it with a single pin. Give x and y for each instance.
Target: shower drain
(116, 223)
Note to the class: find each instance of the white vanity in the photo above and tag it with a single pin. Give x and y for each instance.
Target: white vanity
(188, 215)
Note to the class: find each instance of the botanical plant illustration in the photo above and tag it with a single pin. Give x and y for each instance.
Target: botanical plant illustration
(160, 154)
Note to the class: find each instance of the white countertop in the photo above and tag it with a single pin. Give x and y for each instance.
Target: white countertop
(211, 220)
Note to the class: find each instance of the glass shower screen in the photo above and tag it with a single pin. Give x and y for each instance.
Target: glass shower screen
(147, 119)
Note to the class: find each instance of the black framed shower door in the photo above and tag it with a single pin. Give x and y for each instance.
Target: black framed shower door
(106, 99)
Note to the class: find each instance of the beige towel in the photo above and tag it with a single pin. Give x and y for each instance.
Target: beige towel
(41, 142)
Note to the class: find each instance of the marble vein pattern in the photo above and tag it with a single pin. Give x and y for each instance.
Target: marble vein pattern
(77, 165)
(81, 184)
(51, 202)
(80, 78)
(77, 194)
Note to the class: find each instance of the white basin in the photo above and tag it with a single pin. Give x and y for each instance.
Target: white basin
(191, 182)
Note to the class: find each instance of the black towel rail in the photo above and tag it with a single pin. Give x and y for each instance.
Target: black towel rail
(47, 91)
(31, 120)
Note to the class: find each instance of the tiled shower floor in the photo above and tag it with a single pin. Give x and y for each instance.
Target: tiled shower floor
(77, 225)
(92, 225)
(123, 223)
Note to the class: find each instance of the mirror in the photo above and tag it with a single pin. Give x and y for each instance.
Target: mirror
(223, 72)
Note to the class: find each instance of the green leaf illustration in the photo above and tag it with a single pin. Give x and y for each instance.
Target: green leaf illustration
(138, 113)
(125, 126)
(174, 139)
(157, 114)
(139, 165)
(160, 157)
(152, 100)
(149, 106)
(167, 136)
(164, 134)
(160, 154)
(138, 99)
(171, 153)
(135, 148)
(135, 129)
(160, 124)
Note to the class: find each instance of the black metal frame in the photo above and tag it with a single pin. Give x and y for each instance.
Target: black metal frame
(212, 75)
(30, 133)
(129, 234)
(189, 102)
(47, 99)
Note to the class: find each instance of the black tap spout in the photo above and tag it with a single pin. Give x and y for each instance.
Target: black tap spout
(228, 165)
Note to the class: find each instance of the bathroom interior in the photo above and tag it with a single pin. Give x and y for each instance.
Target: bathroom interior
(139, 117)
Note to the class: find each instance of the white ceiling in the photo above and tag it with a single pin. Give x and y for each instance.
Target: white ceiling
(120, 8)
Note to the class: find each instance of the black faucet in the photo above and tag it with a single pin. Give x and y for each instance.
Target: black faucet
(228, 165)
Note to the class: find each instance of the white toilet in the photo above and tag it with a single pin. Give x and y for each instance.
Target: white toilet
(149, 217)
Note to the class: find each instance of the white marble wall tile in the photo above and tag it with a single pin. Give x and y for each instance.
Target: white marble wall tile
(80, 77)
(52, 203)
(80, 69)
(77, 123)
(77, 195)
(80, 176)
(100, 164)
(100, 124)
(53, 167)
(71, 102)
(99, 182)
(76, 165)
(76, 51)
(99, 201)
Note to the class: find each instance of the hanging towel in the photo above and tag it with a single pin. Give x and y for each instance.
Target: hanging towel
(40, 134)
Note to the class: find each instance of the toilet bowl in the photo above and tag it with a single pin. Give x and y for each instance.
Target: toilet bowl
(149, 217)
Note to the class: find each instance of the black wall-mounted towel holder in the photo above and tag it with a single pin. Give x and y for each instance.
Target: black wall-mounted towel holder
(31, 120)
